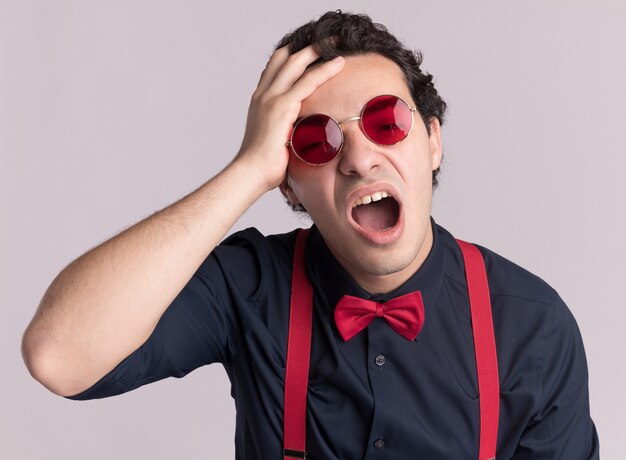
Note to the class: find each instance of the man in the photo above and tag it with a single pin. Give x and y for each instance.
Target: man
(355, 141)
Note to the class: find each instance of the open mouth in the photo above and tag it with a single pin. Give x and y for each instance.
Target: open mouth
(377, 212)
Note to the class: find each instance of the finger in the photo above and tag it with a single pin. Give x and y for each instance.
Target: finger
(276, 61)
(292, 70)
(314, 78)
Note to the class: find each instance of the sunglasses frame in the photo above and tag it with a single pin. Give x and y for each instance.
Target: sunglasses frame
(358, 117)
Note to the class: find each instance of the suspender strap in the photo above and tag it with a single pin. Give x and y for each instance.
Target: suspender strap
(298, 356)
(485, 348)
(299, 353)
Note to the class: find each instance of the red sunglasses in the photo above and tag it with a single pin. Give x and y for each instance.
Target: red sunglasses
(384, 120)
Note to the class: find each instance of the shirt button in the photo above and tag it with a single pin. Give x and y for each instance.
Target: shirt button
(379, 443)
(380, 360)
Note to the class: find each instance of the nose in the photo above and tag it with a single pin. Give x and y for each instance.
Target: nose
(359, 156)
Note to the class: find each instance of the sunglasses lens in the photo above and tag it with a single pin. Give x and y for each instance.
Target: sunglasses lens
(387, 120)
(317, 139)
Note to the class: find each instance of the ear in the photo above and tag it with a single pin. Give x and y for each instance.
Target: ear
(434, 139)
(287, 191)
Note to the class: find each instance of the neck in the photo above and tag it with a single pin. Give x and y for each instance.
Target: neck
(382, 284)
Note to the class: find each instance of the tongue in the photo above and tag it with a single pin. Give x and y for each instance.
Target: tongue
(376, 216)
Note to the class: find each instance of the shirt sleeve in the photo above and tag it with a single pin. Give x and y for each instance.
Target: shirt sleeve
(561, 427)
(198, 326)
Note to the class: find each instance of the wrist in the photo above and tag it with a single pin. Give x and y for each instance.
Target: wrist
(261, 172)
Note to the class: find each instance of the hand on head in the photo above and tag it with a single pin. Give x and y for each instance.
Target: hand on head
(274, 108)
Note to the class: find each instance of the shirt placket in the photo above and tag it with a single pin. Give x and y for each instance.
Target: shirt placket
(380, 363)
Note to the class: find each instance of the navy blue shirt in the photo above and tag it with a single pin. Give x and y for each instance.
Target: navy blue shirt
(379, 395)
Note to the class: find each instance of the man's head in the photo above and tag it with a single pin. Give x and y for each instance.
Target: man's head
(383, 242)
(337, 33)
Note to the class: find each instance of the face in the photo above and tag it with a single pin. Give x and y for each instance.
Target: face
(381, 244)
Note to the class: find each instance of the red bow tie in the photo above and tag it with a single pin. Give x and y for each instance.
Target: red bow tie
(405, 314)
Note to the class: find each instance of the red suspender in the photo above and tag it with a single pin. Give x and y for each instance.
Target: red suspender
(298, 355)
(299, 351)
(485, 349)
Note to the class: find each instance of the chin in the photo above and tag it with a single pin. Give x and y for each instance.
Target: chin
(386, 264)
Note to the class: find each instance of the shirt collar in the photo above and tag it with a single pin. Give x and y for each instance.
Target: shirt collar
(331, 281)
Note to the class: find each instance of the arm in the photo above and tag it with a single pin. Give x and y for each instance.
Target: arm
(561, 426)
(106, 303)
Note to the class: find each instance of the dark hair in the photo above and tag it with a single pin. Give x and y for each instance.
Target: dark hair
(337, 33)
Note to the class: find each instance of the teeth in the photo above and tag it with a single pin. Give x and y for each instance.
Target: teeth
(367, 199)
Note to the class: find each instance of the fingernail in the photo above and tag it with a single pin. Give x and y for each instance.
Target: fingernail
(337, 59)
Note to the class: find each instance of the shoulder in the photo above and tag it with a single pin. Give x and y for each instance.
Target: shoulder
(505, 277)
(528, 313)
(534, 327)
(251, 243)
(250, 260)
